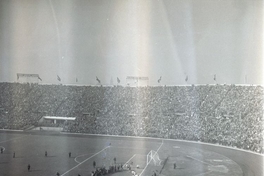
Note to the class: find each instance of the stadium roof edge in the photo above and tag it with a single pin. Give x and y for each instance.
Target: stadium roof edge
(138, 86)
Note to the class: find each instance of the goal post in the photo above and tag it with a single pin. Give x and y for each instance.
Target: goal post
(153, 156)
(149, 157)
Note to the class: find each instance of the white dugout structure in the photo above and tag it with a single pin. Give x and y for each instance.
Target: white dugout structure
(54, 119)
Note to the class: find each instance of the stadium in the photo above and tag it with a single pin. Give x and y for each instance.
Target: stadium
(204, 129)
(131, 88)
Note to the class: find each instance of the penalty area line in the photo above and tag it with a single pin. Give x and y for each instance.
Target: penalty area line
(75, 159)
(130, 158)
(85, 161)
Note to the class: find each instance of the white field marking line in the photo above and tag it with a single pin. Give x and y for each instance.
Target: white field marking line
(85, 160)
(151, 159)
(199, 160)
(13, 139)
(216, 160)
(3, 148)
(176, 140)
(75, 159)
(204, 173)
(130, 158)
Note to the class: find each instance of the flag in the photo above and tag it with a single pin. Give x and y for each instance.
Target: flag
(118, 80)
(186, 79)
(39, 78)
(215, 77)
(98, 80)
(76, 79)
(17, 76)
(58, 78)
(159, 79)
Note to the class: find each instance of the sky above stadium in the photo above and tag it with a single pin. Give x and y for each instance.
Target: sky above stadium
(119, 38)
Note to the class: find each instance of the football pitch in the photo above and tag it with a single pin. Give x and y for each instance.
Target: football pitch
(191, 159)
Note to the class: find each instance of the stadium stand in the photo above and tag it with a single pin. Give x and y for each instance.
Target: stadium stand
(230, 115)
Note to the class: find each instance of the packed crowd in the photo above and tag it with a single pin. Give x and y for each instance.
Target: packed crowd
(100, 171)
(225, 114)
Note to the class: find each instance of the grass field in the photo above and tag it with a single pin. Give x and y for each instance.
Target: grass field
(30, 147)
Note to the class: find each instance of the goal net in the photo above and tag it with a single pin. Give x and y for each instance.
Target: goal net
(153, 156)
